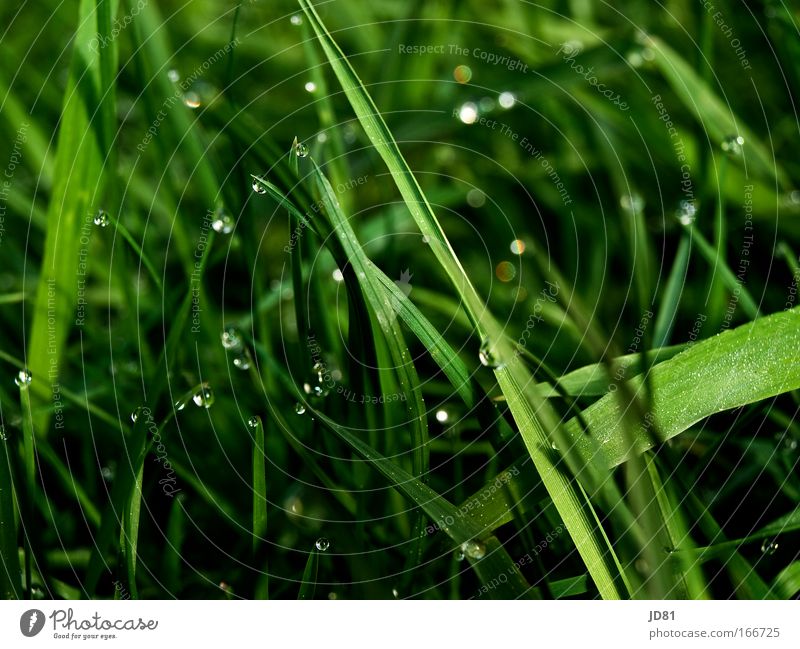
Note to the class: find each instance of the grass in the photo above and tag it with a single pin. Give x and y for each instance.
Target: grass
(365, 322)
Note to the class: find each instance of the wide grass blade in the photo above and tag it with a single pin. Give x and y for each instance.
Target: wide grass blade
(82, 162)
(755, 361)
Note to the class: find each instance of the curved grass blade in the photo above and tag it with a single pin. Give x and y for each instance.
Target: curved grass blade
(582, 525)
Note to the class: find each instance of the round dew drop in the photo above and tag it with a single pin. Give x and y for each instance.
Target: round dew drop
(23, 378)
(253, 422)
(258, 185)
(223, 222)
(322, 544)
(301, 150)
(299, 408)
(769, 547)
(241, 362)
(204, 397)
(473, 549)
(732, 145)
(102, 219)
(231, 339)
(487, 356)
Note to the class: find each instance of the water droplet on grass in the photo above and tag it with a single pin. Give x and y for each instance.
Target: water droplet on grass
(204, 397)
(769, 547)
(299, 408)
(732, 145)
(223, 222)
(23, 378)
(462, 73)
(507, 100)
(301, 150)
(191, 99)
(322, 544)
(473, 549)
(687, 212)
(632, 203)
(231, 338)
(241, 362)
(102, 219)
(487, 355)
(517, 246)
(296, 20)
(173, 75)
(258, 185)
(468, 113)
(476, 198)
(442, 416)
(253, 422)
(505, 271)
(310, 86)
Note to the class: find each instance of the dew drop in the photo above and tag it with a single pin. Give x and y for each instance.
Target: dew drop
(476, 198)
(322, 544)
(296, 20)
(102, 219)
(135, 416)
(231, 338)
(310, 86)
(337, 275)
(487, 355)
(732, 145)
(173, 75)
(462, 73)
(468, 113)
(23, 378)
(687, 212)
(458, 555)
(473, 549)
(301, 150)
(191, 99)
(258, 185)
(253, 422)
(517, 246)
(3, 434)
(769, 547)
(395, 593)
(204, 397)
(507, 100)
(223, 222)
(505, 271)
(107, 473)
(241, 362)
(442, 416)
(632, 203)
(299, 408)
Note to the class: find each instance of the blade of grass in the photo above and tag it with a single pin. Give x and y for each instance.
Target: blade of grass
(10, 583)
(308, 587)
(84, 145)
(755, 361)
(589, 540)
(717, 118)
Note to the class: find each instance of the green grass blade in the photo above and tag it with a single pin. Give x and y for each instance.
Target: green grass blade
(671, 298)
(10, 584)
(259, 482)
(581, 524)
(84, 144)
(715, 117)
(444, 515)
(308, 587)
(755, 361)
